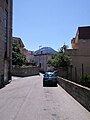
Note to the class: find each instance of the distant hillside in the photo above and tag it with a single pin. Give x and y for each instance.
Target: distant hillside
(46, 50)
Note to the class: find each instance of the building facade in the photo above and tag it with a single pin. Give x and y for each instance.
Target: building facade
(41, 61)
(5, 41)
(80, 53)
(19, 43)
(42, 56)
(29, 55)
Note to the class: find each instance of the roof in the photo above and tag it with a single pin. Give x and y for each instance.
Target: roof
(18, 41)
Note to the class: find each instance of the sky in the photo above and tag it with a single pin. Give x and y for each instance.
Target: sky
(49, 23)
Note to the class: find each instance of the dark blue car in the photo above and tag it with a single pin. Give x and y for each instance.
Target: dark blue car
(50, 79)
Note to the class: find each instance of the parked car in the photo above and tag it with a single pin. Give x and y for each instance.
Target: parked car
(50, 79)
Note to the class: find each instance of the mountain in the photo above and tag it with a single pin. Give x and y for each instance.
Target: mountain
(45, 50)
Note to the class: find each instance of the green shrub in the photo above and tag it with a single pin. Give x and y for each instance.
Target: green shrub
(85, 78)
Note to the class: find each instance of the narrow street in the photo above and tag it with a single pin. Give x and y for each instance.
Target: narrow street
(26, 99)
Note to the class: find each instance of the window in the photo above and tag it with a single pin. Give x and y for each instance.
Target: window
(5, 31)
(7, 1)
(40, 65)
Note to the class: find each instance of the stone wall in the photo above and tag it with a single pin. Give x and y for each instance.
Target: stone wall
(25, 71)
(80, 93)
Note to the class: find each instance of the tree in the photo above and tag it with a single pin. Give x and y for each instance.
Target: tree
(60, 59)
(63, 48)
(17, 56)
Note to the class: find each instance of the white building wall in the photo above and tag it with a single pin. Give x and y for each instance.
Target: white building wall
(42, 60)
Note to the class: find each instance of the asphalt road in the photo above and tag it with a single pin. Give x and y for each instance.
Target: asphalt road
(27, 99)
